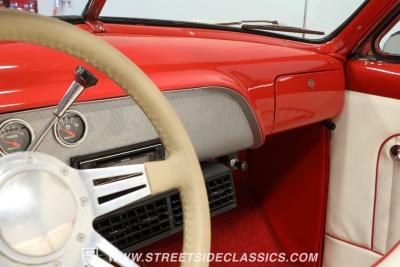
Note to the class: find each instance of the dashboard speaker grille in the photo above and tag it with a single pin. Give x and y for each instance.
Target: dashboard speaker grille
(146, 222)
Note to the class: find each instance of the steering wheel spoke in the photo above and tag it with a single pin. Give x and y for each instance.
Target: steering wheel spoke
(115, 187)
(110, 254)
(96, 261)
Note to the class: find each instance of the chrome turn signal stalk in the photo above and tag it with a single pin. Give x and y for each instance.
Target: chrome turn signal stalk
(83, 80)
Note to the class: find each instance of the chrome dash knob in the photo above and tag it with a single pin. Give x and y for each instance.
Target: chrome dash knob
(395, 152)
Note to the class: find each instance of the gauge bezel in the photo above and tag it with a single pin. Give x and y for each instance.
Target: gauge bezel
(60, 140)
(20, 121)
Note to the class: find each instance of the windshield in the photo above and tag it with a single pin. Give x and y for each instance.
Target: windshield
(320, 15)
(48, 7)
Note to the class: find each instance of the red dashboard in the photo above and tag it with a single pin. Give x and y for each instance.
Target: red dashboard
(286, 87)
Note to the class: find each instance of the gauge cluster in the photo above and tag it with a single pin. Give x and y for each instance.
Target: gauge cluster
(71, 129)
(17, 135)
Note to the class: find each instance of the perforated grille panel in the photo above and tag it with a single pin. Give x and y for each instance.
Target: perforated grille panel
(119, 122)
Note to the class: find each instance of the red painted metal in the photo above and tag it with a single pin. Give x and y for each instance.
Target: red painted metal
(305, 98)
(342, 44)
(94, 10)
(96, 26)
(33, 77)
(181, 58)
(92, 15)
(373, 77)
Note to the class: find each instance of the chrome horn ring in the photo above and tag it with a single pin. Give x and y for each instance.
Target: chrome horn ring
(33, 189)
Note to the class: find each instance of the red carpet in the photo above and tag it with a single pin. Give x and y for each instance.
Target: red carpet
(241, 230)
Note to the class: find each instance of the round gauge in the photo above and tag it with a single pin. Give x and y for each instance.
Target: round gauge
(71, 129)
(15, 136)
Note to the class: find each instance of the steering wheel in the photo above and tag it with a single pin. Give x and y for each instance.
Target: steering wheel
(47, 208)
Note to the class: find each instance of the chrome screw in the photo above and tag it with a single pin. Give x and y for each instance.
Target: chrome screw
(64, 171)
(30, 159)
(311, 83)
(83, 201)
(234, 163)
(81, 237)
(244, 165)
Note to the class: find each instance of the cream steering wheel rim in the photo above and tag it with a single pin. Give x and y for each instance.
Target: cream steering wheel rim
(181, 170)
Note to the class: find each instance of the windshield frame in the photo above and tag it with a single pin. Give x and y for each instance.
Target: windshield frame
(78, 19)
(196, 25)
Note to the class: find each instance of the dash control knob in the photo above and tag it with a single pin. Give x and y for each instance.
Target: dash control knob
(238, 164)
(395, 152)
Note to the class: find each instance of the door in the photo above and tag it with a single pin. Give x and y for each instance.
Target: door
(363, 215)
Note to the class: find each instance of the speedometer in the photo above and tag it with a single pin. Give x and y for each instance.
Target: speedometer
(15, 135)
(71, 129)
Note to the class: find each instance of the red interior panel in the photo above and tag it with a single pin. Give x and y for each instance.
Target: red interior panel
(290, 177)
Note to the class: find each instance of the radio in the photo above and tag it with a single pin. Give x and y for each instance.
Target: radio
(134, 154)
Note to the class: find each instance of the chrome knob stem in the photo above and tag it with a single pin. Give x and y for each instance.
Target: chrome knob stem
(83, 80)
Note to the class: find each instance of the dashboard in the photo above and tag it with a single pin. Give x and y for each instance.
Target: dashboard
(230, 94)
(177, 62)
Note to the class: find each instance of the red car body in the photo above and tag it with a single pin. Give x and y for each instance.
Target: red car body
(272, 74)
(269, 55)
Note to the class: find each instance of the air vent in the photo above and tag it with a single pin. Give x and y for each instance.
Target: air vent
(176, 207)
(221, 197)
(157, 217)
(220, 193)
(136, 225)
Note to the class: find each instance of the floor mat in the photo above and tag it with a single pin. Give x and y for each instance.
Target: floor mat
(241, 230)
